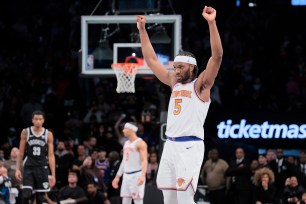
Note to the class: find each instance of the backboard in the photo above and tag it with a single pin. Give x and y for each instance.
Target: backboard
(112, 39)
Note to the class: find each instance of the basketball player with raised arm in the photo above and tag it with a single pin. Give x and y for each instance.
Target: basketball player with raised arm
(37, 153)
(183, 151)
(133, 167)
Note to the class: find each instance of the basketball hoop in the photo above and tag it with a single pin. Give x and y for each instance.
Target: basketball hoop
(125, 74)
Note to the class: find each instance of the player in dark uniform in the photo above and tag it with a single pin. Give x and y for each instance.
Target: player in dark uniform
(36, 151)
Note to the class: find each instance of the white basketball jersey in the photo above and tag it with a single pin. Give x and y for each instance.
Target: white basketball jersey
(131, 156)
(187, 112)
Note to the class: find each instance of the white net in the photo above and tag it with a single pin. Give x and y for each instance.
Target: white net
(125, 74)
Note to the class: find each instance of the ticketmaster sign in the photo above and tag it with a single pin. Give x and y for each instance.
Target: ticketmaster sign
(244, 130)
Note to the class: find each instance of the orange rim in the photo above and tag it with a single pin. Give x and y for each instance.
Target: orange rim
(124, 65)
(129, 68)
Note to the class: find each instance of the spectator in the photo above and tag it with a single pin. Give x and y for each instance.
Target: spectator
(271, 159)
(92, 144)
(282, 169)
(102, 164)
(94, 154)
(77, 163)
(63, 160)
(254, 166)
(5, 185)
(94, 196)
(91, 174)
(152, 168)
(72, 193)
(292, 193)
(10, 165)
(291, 160)
(240, 173)
(213, 175)
(114, 163)
(262, 161)
(265, 190)
(299, 170)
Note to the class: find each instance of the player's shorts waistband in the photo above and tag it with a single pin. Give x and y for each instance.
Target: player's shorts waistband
(132, 172)
(184, 138)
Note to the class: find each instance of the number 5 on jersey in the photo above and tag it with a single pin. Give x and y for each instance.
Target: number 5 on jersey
(178, 106)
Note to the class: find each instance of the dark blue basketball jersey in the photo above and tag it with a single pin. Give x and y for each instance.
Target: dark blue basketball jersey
(36, 150)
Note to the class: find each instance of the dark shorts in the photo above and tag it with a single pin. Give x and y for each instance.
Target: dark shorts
(36, 178)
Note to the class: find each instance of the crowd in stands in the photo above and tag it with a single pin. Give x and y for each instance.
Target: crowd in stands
(272, 178)
(84, 172)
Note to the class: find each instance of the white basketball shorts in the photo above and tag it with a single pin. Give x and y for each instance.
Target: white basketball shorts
(129, 187)
(180, 165)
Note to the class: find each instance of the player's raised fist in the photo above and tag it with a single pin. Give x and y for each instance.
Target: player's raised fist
(209, 13)
(141, 22)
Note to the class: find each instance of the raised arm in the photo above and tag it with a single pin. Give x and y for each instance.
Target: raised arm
(116, 126)
(51, 158)
(207, 77)
(150, 56)
(23, 140)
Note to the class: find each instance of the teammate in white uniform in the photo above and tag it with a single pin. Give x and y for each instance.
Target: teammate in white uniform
(188, 106)
(133, 167)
